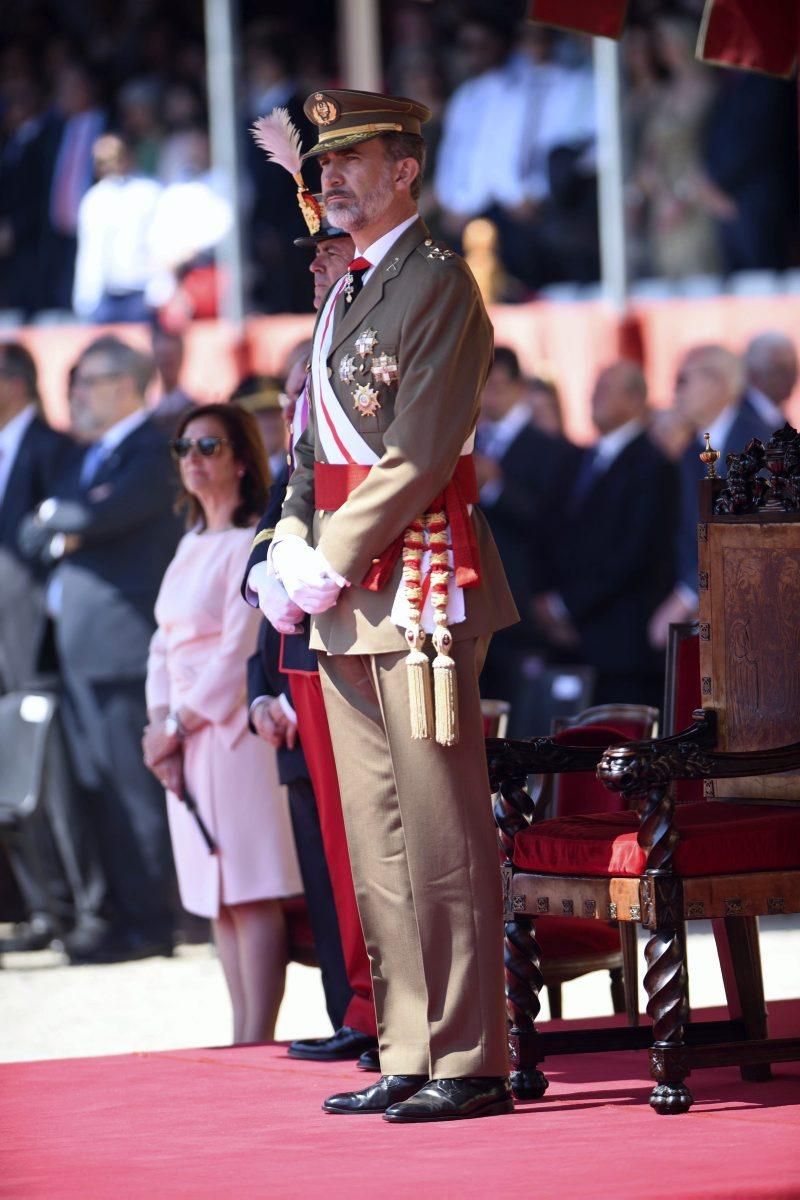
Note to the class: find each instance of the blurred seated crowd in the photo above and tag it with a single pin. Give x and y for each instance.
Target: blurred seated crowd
(104, 128)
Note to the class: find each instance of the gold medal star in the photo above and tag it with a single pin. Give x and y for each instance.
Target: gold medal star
(365, 342)
(365, 400)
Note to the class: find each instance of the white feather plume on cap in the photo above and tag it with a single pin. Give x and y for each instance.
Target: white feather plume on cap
(279, 138)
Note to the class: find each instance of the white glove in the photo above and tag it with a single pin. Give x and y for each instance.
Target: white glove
(281, 612)
(307, 576)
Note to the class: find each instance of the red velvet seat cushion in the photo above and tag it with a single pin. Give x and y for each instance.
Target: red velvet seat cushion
(574, 937)
(715, 839)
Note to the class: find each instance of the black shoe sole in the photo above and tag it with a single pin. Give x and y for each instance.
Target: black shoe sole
(496, 1109)
(356, 1112)
(303, 1057)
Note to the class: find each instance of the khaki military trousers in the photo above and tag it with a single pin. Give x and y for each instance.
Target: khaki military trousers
(425, 865)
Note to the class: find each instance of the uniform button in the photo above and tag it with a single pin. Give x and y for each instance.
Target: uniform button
(330, 372)
(376, 560)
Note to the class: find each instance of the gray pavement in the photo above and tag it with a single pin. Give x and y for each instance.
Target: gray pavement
(49, 1009)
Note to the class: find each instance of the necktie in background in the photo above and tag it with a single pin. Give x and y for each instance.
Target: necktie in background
(588, 472)
(91, 463)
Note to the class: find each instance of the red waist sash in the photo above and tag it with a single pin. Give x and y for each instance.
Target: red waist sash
(334, 483)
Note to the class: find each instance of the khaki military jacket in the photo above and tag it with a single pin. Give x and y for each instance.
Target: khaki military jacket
(422, 308)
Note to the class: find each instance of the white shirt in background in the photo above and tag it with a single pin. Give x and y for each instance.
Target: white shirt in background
(114, 229)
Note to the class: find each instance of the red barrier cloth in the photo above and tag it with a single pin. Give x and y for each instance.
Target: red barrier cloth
(602, 17)
(752, 34)
(333, 483)
(312, 722)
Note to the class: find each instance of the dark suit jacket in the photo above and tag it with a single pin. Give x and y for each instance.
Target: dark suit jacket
(26, 165)
(614, 559)
(748, 424)
(128, 533)
(264, 675)
(41, 457)
(521, 517)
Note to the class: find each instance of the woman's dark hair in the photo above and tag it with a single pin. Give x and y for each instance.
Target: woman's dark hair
(241, 430)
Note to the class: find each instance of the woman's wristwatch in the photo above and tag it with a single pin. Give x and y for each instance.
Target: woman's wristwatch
(173, 726)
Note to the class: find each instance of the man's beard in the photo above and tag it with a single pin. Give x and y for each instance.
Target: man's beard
(354, 215)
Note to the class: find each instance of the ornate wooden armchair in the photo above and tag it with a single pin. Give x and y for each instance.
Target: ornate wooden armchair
(731, 856)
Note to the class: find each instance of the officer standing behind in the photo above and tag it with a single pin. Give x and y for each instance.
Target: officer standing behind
(401, 351)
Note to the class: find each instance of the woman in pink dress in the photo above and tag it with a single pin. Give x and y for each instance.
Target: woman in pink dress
(198, 738)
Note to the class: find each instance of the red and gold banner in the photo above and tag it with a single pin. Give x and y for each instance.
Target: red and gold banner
(604, 18)
(758, 35)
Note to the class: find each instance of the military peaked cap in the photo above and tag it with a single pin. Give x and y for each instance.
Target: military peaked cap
(346, 118)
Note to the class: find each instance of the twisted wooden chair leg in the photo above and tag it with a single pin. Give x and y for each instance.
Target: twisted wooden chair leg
(523, 983)
(665, 984)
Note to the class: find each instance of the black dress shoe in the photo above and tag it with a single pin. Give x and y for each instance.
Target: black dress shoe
(35, 934)
(455, 1100)
(376, 1098)
(345, 1043)
(369, 1061)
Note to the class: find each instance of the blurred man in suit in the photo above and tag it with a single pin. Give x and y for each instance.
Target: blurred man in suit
(613, 560)
(52, 859)
(519, 470)
(708, 393)
(771, 369)
(112, 531)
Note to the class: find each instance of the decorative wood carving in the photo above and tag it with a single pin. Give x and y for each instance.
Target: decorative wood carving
(763, 478)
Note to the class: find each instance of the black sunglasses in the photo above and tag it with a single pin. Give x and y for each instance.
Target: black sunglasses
(207, 446)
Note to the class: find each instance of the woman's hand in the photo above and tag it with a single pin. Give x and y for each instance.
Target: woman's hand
(157, 745)
(169, 772)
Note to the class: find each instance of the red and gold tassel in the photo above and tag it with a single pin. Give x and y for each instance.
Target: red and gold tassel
(444, 667)
(417, 665)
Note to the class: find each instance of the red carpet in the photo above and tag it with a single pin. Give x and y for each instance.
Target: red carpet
(242, 1123)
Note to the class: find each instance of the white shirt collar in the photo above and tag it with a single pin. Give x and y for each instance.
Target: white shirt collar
(14, 430)
(500, 434)
(767, 409)
(117, 433)
(379, 249)
(720, 428)
(611, 445)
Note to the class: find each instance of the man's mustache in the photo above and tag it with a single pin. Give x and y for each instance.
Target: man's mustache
(337, 194)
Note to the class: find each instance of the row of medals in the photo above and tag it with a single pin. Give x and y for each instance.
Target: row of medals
(383, 369)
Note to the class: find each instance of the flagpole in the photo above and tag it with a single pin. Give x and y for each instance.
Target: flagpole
(224, 137)
(360, 45)
(610, 182)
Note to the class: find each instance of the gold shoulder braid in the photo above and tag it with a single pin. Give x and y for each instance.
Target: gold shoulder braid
(266, 535)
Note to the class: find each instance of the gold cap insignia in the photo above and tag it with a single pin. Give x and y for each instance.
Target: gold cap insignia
(324, 110)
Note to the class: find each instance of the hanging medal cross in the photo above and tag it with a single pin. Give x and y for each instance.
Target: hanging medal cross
(359, 265)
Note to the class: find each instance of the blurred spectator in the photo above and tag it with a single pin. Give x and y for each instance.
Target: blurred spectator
(612, 562)
(501, 127)
(31, 456)
(190, 219)
(670, 179)
(114, 262)
(771, 370)
(520, 473)
(281, 282)
(111, 530)
(197, 738)
(751, 160)
(52, 858)
(708, 395)
(83, 122)
(183, 111)
(544, 402)
(25, 168)
(261, 396)
(173, 401)
(137, 107)
(671, 431)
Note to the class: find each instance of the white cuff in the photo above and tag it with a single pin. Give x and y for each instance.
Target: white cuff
(289, 712)
(258, 574)
(258, 700)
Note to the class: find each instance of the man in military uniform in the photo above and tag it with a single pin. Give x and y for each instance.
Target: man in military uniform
(401, 350)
